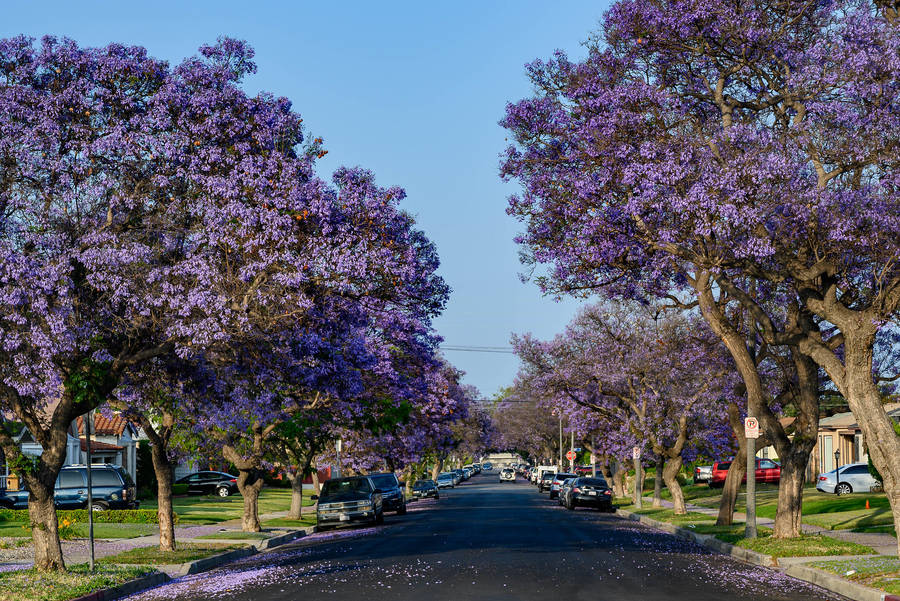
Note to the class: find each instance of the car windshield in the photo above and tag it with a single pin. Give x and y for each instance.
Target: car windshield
(445, 477)
(385, 481)
(723, 465)
(423, 484)
(339, 487)
(565, 476)
(593, 482)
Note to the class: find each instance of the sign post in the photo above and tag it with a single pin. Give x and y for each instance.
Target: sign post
(638, 476)
(89, 417)
(751, 431)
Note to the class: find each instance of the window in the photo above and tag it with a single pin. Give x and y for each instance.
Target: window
(354, 485)
(71, 479)
(105, 478)
(855, 470)
(766, 464)
(385, 481)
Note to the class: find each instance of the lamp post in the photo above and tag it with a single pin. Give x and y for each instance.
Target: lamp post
(337, 452)
(90, 497)
(837, 466)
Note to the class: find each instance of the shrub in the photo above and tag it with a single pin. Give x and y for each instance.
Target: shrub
(112, 516)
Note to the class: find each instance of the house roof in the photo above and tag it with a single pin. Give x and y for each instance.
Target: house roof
(96, 445)
(845, 420)
(106, 426)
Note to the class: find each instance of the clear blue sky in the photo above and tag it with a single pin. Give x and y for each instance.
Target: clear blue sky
(411, 90)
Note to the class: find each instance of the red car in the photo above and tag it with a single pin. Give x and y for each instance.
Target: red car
(766, 471)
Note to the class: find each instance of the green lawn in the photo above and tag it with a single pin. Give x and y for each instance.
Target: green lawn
(31, 585)
(212, 509)
(18, 529)
(804, 546)
(305, 521)
(153, 556)
(878, 572)
(237, 535)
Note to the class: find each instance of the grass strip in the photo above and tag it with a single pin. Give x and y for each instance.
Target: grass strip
(183, 553)
(32, 585)
(882, 572)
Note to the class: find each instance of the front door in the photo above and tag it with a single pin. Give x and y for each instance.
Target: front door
(71, 489)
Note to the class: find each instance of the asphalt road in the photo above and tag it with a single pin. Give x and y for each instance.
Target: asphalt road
(486, 540)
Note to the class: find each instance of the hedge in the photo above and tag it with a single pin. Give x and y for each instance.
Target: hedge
(111, 516)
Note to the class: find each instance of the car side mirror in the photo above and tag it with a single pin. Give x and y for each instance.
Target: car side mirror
(314, 498)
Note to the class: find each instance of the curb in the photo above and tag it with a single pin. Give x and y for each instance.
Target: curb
(277, 541)
(704, 540)
(213, 561)
(128, 588)
(821, 578)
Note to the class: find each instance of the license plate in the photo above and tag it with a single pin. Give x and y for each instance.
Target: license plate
(592, 493)
(344, 517)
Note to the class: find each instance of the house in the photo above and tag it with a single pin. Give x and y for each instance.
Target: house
(113, 441)
(841, 441)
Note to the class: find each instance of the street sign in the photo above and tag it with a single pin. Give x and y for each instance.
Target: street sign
(577, 449)
(751, 427)
(636, 452)
(571, 455)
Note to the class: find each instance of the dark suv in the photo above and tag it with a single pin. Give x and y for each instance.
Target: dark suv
(391, 493)
(111, 488)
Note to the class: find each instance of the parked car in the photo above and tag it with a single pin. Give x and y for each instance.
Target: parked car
(507, 475)
(767, 471)
(703, 473)
(207, 483)
(462, 475)
(545, 481)
(469, 472)
(348, 500)
(854, 477)
(488, 466)
(111, 488)
(391, 494)
(446, 480)
(589, 492)
(425, 489)
(557, 481)
(564, 491)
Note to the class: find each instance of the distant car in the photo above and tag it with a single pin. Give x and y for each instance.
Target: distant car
(446, 480)
(488, 466)
(208, 483)
(589, 492)
(545, 480)
(538, 474)
(462, 475)
(469, 472)
(391, 494)
(348, 500)
(703, 473)
(507, 475)
(854, 477)
(557, 481)
(767, 471)
(425, 489)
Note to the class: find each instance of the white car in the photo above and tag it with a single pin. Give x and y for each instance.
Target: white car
(854, 477)
(507, 475)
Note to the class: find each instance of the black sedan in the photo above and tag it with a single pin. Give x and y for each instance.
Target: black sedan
(424, 489)
(207, 483)
(589, 492)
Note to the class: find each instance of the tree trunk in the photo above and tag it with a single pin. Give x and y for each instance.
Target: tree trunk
(165, 511)
(788, 514)
(250, 483)
(317, 486)
(294, 513)
(670, 476)
(732, 485)
(44, 527)
(436, 470)
(657, 483)
(618, 478)
(638, 483)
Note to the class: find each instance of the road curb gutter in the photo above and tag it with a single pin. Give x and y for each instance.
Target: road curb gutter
(821, 578)
(126, 588)
(277, 541)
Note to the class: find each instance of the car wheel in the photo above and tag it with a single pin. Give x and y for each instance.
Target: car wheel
(843, 489)
(99, 506)
(223, 491)
(571, 505)
(322, 528)
(402, 510)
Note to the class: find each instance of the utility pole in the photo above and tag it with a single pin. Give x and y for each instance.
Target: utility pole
(560, 463)
(572, 461)
(337, 452)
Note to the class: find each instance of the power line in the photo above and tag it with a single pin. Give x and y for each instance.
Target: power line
(477, 349)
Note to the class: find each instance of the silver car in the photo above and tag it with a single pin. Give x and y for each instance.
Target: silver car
(854, 477)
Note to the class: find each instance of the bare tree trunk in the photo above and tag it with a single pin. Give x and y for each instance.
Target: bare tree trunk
(250, 483)
(657, 482)
(317, 486)
(670, 475)
(294, 513)
(437, 468)
(618, 478)
(732, 486)
(44, 527)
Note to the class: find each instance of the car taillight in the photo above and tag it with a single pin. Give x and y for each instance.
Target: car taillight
(823, 477)
(233, 480)
(607, 492)
(576, 489)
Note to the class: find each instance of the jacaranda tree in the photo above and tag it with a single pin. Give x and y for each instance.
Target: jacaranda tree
(745, 154)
